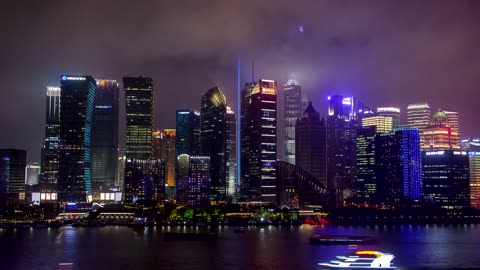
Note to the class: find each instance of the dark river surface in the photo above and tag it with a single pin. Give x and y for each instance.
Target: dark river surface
(111, 248)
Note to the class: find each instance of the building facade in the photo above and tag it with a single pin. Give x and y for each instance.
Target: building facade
(398, 167)
(76, 107)
(50, 150)
(139, 97)
(213, 140)
(12, 176)
(231, 156)
(32, 174)
(104, 145)
(187, 140)
(392, 112)
(440, 135)
(293, 110)
(145, 181)
(382, 124)
(344, 118)
(167, 153)
(193, 182)
(311, 144)
(366, 182)
(474, 171)
(447, 178)
(259, 141)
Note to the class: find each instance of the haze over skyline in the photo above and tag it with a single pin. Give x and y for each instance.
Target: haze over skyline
(384, 52)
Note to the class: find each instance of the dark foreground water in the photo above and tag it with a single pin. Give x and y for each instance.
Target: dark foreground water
(261, 248)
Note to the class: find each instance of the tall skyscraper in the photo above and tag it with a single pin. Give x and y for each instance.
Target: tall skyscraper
(12, 175)
(474, 171)
(167, 153)
(76, 107)
(293, 110)
(453, 121)
(144, 174)
(259, 141)
(446, 178)
(382, 124)
(50, 148)
(231, 155)
(104, 145)
(32, 174)
(311, 144)
(366, 182)
(439, 135)
(398, 166)
(344, 117)
(139, 109)
(213, 140)
(418, 116)
(187, 140)
(194, 178)
(392, 112)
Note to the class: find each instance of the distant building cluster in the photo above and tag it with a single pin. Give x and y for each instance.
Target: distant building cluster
(354, 155)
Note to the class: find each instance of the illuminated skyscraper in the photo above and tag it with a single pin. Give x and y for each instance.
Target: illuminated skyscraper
(439, 135)
(366, 183)
(50, 148)
(446, 178)
(398, 166)
(167, 153)
(259, 141)
(12, 175)
(187, 140)
(418, 116)
(293, 110)
(213, 140)
(344, 118)
(382, 124)
(471, 144)
(32, 174)
(453, 121)
(311, 144)
(194, 179)
(76, 107)
(104, 143)
(231, 155)
(139, 109)
(392, 112)
(474, 170)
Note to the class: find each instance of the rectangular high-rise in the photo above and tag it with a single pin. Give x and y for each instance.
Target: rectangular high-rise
(231, 153)
(12, 175)
(213, 140)
(382, 124)
(187, 139)
(104, 145)
(392, 112)
(344, 118)
(293, 110)
(311, 144)
(50, 150)
(447, 178)
(139, 97)
(259, 141)
(167, 153)
(77, 106)
(474, 170)
(398, 170)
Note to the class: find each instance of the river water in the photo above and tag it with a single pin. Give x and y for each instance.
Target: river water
(433, 246)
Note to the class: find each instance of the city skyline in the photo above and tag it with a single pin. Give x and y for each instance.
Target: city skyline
(344, 51)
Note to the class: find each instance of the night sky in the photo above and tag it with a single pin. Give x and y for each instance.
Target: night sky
(383, 52)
